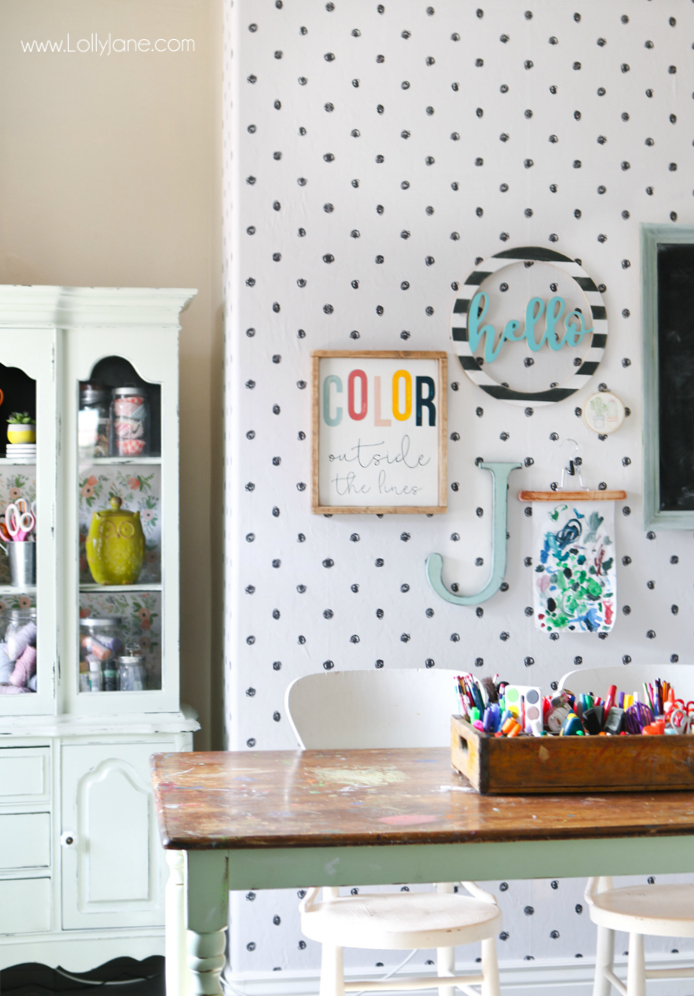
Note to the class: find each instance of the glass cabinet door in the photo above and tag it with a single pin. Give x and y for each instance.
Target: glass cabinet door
(28, 475)
(124, 516)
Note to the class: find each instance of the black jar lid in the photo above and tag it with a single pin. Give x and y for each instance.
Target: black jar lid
(92, 393)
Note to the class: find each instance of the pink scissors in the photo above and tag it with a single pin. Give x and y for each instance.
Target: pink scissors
(19, 521)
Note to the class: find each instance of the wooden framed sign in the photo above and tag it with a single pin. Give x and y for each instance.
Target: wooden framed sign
(379, 432)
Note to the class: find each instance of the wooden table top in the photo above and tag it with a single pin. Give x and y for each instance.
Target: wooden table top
(326, 798)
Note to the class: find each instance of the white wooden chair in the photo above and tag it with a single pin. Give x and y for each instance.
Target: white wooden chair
(396, 708)
(659, 910)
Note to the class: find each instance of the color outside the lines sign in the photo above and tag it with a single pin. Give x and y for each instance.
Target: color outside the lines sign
(379, 432)
(529, 326)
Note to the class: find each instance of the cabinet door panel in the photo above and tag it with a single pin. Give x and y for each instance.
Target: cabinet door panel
(113, 869)
(35, 354)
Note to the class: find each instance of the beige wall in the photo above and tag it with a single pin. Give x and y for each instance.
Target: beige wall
(109, 175)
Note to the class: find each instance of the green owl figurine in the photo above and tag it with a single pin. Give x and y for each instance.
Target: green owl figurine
(115, 545)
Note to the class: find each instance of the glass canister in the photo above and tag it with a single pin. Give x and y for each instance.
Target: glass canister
(132, 675)
(130, 422)
(94, 421)
(18, 648)
(100, 640)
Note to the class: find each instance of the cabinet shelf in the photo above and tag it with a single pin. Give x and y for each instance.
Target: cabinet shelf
(17, 462)
(143, 461)
(118, 587)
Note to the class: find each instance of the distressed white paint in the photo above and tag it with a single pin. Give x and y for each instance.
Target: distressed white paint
(83, 872)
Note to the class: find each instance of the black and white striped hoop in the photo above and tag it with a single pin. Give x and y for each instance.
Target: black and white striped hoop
(459, 326)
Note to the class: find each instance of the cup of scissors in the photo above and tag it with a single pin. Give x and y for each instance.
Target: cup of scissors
(19, 532)
(681, 718)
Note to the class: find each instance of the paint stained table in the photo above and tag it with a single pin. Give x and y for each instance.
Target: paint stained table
(293, 819)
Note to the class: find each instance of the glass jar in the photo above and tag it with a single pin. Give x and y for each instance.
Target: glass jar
(130, 422)
(94, 421)
(18, 649)
(101, 636)
(100, 640)
(132, 676)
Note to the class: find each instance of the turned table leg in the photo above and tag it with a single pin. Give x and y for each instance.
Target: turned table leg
(207, 905)
(178, 982)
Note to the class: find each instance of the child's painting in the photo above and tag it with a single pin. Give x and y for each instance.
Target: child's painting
(575, 585)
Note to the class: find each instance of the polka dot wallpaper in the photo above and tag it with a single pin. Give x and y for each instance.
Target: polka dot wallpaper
(373, 154)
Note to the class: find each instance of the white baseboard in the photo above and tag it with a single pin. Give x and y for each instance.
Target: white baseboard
(555, 978)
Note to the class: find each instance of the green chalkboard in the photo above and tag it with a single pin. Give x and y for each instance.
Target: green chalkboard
(668, 317)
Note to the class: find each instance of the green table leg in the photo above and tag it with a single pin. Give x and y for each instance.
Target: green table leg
(207, 910)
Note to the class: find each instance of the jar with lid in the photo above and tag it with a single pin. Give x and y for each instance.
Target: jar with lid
(130, 422)
(132, 676)
(18, 649)
(100, 640)
(94, 421)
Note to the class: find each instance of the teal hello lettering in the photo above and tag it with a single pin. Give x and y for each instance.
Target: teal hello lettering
(559, 329)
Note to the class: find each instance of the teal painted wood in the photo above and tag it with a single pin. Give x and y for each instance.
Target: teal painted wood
(434, 566)
(207, 896)
(651, 237)
(295, 867)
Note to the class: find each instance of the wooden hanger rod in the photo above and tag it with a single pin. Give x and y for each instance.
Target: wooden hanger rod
(572, 495)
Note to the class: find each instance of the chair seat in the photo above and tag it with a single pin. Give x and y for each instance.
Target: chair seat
(402, 920)
(663, 910)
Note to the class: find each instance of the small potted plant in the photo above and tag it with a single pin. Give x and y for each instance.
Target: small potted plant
(21, 428)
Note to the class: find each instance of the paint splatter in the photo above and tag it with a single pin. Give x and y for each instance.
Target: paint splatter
(575, 582)
(407, 819)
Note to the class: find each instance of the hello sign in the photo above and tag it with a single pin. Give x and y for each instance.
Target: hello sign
(379, 430)
(507, 303)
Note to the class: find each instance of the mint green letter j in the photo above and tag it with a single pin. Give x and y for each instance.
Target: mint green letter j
(434, 565)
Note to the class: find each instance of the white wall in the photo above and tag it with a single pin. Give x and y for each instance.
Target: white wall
(109, 175)
(281, 79)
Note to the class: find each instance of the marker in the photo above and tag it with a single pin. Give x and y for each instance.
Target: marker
(609, 701)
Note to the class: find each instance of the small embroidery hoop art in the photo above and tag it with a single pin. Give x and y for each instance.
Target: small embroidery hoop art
(529, 255)
(604, 431)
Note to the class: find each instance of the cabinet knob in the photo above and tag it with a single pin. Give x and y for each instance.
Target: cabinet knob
(68, 838)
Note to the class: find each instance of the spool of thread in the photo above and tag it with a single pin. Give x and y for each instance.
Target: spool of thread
(95, 647)
(6, 665)
(24, 668)
(19, 641)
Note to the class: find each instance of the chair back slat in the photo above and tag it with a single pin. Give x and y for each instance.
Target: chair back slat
(630, 678)
(379, 708)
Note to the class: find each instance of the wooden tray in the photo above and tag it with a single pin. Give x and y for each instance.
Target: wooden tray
(529, 765)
